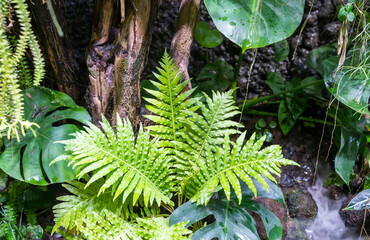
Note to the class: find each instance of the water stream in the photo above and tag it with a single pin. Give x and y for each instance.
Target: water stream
(327, 225)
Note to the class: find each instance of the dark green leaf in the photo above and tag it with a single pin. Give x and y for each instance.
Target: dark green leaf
(350, 16)
(367, 182)
(361, 201)
(29, 159)
(290, 108)
(342, 14)
(275, 82)
(273, 124)
(207, 37)
(316, 57)
(315, 89)
(232, 221)
(216, 76)
(351, 140)
(254, 24)
(35, 232)
(281, 50)
(35, 198)
(261, 123)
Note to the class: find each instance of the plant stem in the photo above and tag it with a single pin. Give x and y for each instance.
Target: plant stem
(236, 72)
(207, 55)
(270, 114)
(253, 102)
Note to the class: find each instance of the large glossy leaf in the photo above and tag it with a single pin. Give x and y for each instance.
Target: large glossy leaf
(361, 201)
(351, 83)
(256, 23)
(232, 221)
(351, 141)
(29, 159)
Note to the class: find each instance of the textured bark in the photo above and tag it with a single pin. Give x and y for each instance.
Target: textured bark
(61, 68)
(116, 56)
(181, 42)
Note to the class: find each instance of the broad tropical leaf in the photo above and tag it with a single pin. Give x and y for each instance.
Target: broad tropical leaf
(29, 159)
(258, 23)
(232, 220)
(158, 229)
(133, 166)
(361, 201)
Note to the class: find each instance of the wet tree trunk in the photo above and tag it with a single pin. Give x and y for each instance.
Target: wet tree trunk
(116, 56)
(62, 71)
(181, 42)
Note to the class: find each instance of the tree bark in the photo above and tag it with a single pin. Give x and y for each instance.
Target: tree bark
(116, 56)
(181, 42)
(62, 69)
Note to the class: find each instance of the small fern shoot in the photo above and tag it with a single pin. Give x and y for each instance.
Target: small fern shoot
(158, 229)
(131, 166)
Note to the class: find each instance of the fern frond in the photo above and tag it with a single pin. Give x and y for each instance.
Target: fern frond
(110, 227)
(24, 19)
(83, 201)
(205, 130)
(132, 166)
(225, 166)
(169, 103)
(158, 229)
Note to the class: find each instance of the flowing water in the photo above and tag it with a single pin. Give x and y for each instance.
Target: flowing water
(327, 225)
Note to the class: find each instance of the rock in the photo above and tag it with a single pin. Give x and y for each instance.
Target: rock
(300, 202)
(354, 218)
(279, 210)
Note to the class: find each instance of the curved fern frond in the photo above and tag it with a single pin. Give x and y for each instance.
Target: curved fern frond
(169, 103)
(205, 130)
(158, 229)
(131, 166)
(107, 226)
(225, 166)
(83, 201)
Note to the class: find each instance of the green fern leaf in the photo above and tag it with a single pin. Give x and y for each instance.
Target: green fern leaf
(132, 166)
(225, 166)
(205, 131)
(169, 103)
(158, 229)
(109, 227)
(83, 201)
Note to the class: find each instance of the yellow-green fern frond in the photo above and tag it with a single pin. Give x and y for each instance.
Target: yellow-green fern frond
(134, 167)
(107, 226)
(169, 103)
(158, 229)
(225, 166)
(69, 213)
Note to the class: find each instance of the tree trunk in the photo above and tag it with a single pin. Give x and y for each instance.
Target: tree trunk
(62, 70)
(181, 42)
(119, 46)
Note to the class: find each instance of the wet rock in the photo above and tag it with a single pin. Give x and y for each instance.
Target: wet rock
(354, 218)
(274, 206)
(300, 202)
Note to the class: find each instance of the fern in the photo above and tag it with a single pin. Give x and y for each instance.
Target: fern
(11, 102)
(159, 229)
(169, 103)
(83, 201)
(109, 227)
(131, 166)
(227, 165)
